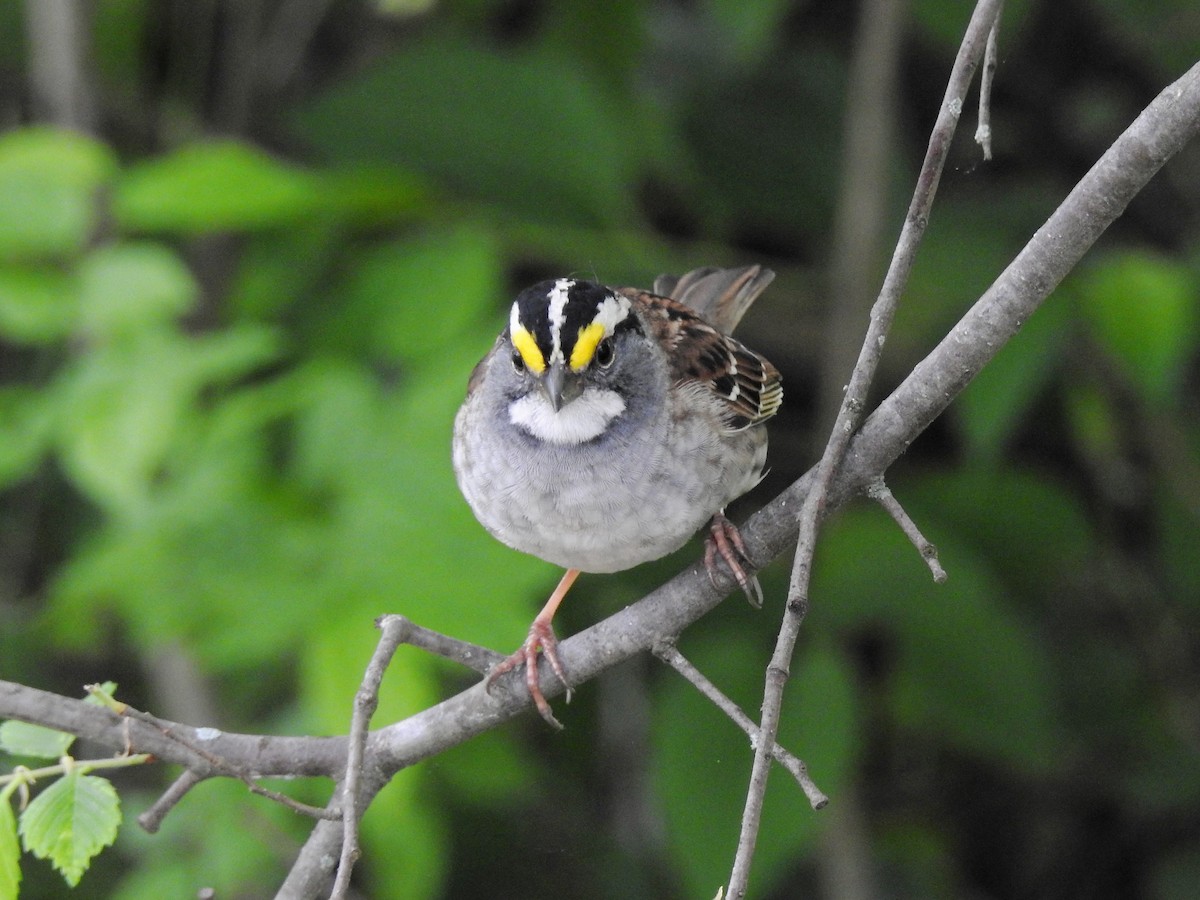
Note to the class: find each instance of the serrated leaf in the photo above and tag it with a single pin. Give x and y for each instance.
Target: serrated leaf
(24, 739)
(10, 852)
(71, 821)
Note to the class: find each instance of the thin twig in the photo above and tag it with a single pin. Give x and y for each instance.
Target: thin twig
(864, 196)
(394, 631)
(848, 418)
(983, 134)
(670, 654)
(152, 818)
(474, 657)
(67, 764)
(219, 765)
(882, 494)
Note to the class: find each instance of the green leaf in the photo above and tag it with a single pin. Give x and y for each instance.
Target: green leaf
(996, 402)
(106, 687)
(25, 739)
(25, 422)
(130, 286)
(412, 300)
(373, 195)
(222, 185)
(564, 149)
(127, 404)
(944, 23)
(48, 183)
(71, 821)
(37, 305)
(966, 665)
(1142, 307)
(749, 29)
(10, 851)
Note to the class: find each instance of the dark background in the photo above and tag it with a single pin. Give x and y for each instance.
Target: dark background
(239, 299)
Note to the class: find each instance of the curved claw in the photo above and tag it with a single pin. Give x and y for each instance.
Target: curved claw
(541, 635)
(725, 539)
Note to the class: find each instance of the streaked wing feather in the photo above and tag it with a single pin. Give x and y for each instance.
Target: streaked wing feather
(719, 296)
(748, 385)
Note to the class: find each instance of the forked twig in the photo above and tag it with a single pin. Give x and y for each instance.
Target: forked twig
(394, 630)
(670, 654)
(478, 659)
(969, 55)
(152, 818)
(983, 131)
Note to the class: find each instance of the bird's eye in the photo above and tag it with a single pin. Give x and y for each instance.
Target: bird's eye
(604, 353)
(518, 361)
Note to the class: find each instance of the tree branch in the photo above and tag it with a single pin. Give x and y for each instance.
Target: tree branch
(262, 755)
(812, 511)
(1168, 123)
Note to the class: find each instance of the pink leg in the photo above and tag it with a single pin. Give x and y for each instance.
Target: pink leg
(725, 539)
(541, 634)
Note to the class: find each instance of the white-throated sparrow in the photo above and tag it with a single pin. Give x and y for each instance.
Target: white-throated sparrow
(607, 425)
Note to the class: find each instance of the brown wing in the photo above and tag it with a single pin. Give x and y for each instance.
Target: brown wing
(748, 385)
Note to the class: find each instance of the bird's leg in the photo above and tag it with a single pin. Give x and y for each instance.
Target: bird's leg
(725, 539)
(541, 634)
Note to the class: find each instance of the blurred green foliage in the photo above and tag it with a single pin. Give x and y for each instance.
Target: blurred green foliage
(236, 322)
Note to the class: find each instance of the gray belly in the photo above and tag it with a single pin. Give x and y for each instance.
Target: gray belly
(606, 506)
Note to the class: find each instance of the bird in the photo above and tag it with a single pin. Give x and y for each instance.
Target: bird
(607, 425)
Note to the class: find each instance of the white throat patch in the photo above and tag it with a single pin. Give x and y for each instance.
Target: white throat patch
(584, 418)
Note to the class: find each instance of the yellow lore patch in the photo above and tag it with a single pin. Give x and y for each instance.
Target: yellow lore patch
(590, 337)
(528, 348)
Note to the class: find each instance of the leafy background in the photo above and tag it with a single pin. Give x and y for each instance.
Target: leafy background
(238, 306)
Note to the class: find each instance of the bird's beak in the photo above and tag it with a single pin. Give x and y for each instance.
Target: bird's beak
(561, 385)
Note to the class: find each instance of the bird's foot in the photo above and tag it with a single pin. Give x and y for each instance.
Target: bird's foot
(541, 635)
(725, 540)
